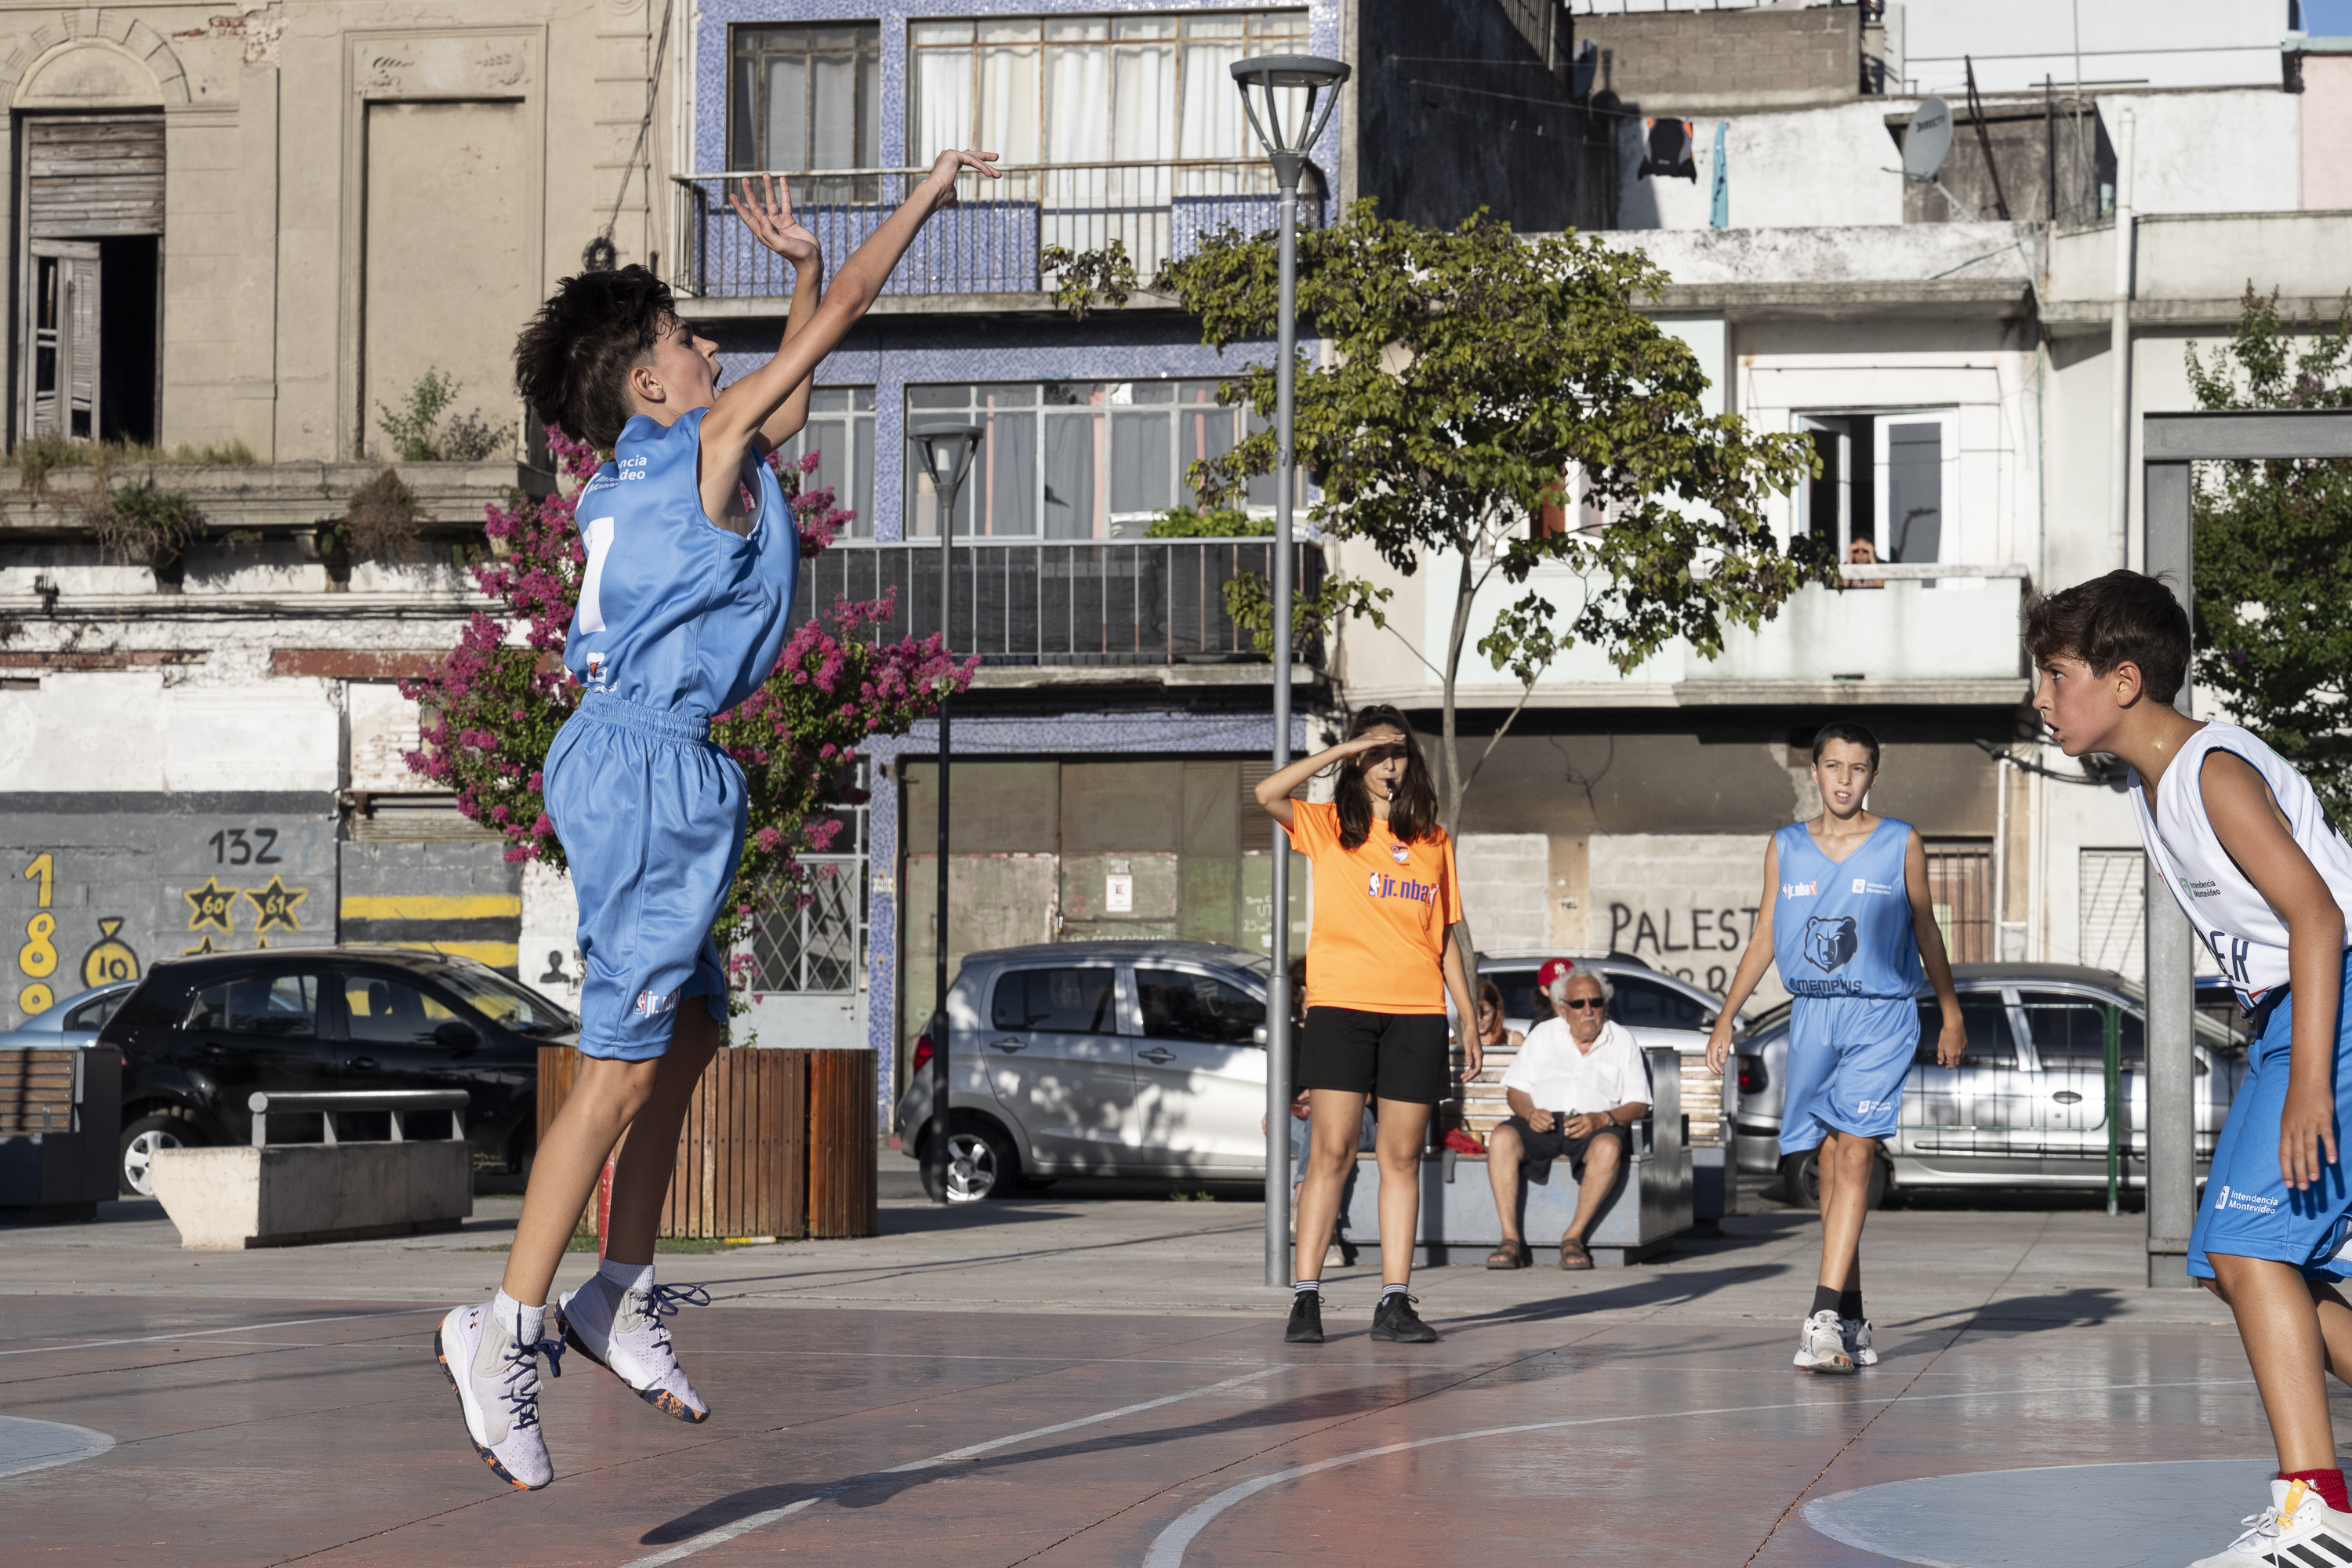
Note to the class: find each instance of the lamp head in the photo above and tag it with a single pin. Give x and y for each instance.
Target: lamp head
(1268, 81)
(948, 451)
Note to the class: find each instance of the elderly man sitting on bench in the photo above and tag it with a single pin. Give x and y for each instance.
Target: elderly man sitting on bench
(1579, 1082)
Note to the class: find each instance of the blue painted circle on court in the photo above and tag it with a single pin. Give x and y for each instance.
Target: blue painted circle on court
(2085, 1516)
(37, 1444)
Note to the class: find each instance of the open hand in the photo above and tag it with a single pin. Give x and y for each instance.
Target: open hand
(770, 218)
(956, 161)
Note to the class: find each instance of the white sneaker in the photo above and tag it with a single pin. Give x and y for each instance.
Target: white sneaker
(623, 1331)
(1855, 1332)
(2296, 1528)
(1820, 1344)
(497, 1382)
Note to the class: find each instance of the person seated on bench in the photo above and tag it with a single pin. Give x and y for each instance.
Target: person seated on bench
(1577, 1083)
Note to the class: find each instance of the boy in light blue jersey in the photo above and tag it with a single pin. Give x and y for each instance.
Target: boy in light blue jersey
(692, 556)
(1847, 917)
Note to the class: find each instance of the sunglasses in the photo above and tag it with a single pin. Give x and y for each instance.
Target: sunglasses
(1582, 1003)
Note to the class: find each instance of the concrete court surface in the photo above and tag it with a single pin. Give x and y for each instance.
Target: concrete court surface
(1072, 1380)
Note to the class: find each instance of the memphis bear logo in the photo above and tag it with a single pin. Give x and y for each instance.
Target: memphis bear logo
(1830, 942)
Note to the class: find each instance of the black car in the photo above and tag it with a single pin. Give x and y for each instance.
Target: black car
(199, 1035)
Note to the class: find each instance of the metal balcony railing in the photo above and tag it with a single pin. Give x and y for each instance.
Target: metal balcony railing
(1034, 602)
(990, 242)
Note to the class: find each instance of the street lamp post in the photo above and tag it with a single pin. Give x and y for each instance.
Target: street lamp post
(948, 451)
(1266, 83)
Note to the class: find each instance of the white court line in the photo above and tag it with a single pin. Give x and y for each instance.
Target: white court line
(1168, 1548)
(726, 1533)
(202, 1333)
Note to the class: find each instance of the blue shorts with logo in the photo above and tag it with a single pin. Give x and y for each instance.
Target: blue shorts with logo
(2249, 1211)
(1847, 1060)
(651, 816)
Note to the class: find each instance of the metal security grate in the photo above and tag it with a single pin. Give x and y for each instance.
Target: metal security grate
(1160, 601)
(818, 946)
(1959, 885)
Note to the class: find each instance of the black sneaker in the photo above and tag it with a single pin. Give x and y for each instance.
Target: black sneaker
(1395, 1320)
(1305, 1320)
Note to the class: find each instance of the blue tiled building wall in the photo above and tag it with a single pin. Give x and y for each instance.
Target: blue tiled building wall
(712, 55)
(891, 354)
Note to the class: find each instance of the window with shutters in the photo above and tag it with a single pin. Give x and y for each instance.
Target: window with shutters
(91, 273)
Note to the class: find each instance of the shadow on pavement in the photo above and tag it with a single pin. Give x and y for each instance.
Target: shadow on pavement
(879, 1487)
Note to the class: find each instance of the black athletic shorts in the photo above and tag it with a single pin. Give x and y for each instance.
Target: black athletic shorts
(1388, 1056)
(1539, 1149)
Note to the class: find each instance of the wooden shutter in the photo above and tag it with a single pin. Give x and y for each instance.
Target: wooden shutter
(64, 369)
(88, 178)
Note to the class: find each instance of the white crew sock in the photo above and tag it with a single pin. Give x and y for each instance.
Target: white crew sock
(627, 1276)
(527, 1324)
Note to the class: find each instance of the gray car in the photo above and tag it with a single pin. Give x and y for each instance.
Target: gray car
(2029, 1106)
(72, 1022)
(1122, 1058)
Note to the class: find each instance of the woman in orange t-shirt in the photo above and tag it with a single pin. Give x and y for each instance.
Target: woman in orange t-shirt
(1381, 961)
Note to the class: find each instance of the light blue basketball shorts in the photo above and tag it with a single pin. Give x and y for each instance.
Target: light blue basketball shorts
(652, 816)
(2249, 1211)
(1847, 1058)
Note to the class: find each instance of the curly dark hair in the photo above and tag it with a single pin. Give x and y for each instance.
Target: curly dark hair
(2124, 618)
(571, 363)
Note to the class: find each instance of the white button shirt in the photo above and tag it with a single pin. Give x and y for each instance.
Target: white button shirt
(1560, 1078)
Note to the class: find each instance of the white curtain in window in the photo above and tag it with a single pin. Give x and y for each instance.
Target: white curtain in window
(1211, 124)
(1009, 101)
(1077, 92)
(1143, 96)
(943, 106)
(834, 131)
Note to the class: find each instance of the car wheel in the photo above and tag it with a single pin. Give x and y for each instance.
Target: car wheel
(1801, 1182)
(147, 1136)
(980, 1163)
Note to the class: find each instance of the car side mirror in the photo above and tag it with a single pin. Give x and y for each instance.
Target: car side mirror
(1259, 1036)
(458, 1040)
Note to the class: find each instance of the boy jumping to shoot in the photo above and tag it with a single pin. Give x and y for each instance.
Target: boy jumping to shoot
(681, 616)
(2244, 844)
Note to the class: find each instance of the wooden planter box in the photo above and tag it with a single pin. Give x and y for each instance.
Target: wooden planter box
(775, 1144)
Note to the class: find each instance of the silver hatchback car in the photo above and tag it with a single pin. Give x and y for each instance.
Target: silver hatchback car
(1112, 1059)
(2032, 1103)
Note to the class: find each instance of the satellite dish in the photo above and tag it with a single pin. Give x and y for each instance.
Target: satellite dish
(1928, 139)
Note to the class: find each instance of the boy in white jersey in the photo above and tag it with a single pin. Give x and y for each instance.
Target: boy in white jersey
(2239, 837)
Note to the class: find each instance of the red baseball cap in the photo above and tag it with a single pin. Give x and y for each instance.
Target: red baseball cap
(1552, 969)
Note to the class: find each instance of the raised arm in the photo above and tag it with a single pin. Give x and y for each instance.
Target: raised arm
(1752, 963)
(1952, 1043)
(1274, 790)
(769, 216)
(2248, 822)
(743, 409)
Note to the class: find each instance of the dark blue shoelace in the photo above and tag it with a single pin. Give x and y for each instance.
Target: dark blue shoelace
(664, 1300)
(523, 1379)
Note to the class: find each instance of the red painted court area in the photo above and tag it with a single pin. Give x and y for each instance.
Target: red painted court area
(323, 1431)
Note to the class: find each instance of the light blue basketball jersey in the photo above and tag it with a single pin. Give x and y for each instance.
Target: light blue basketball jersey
(675, 613)
(1843, 927)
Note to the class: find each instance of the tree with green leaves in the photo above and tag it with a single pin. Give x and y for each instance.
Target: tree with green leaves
(2273, 550)
(1471, 372)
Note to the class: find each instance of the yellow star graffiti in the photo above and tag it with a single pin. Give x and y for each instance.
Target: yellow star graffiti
(201, 947)
(209, 905)
(275, 903)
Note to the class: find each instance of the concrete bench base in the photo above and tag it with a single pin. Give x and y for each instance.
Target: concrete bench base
(290, 1194)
